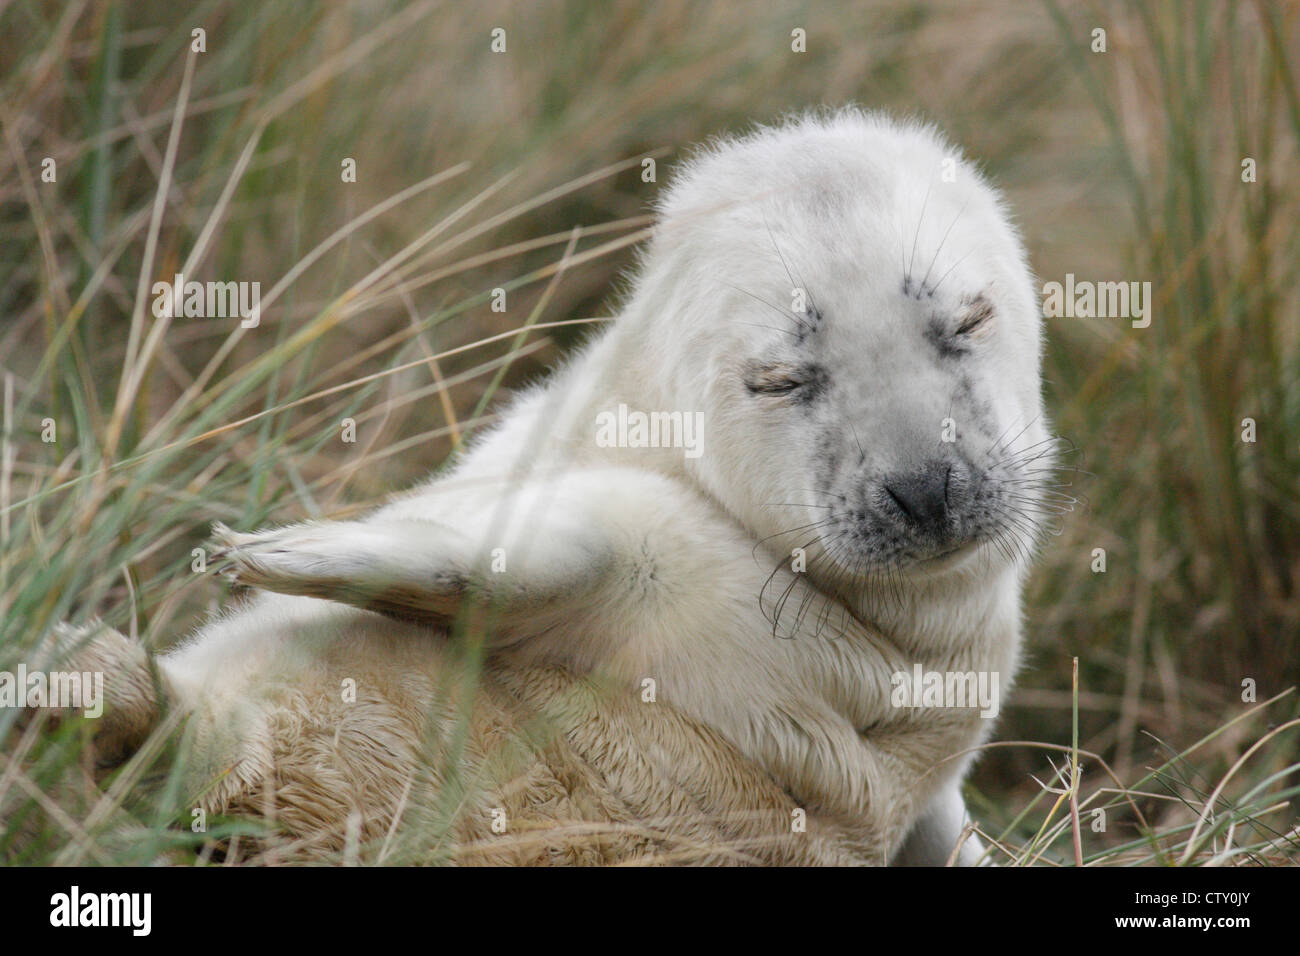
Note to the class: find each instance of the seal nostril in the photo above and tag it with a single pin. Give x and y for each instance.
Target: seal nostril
(902, 504)
(922, 497)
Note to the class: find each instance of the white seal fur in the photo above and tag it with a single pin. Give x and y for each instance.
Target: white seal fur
(843, 302)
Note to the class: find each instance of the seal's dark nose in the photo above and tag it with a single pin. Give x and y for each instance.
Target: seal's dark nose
(921, 497)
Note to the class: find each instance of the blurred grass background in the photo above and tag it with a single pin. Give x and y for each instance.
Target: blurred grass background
(1122, 165)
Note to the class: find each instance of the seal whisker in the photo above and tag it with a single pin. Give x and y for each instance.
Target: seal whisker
(941, 242)
(1028, 425)
(993, 448)
(950, 270)
(797, 284)
(786, 314)
(916, 238)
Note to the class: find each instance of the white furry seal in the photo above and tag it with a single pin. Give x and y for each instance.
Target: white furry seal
(719, 626)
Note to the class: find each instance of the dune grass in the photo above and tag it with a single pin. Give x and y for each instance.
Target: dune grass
(522, 171)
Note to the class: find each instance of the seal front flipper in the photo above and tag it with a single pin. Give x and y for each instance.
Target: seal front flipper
(533, 558)
(411, 569)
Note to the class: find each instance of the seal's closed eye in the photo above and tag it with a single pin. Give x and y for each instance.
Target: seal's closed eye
(776, 379)
(974, 315)
(782, 378)
(972, 320)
